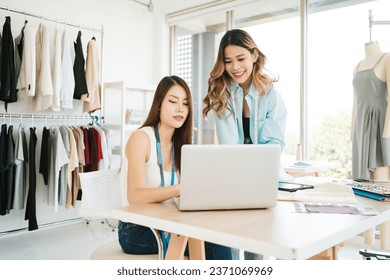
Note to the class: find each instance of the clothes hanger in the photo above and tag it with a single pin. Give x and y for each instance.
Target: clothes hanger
(21, 121)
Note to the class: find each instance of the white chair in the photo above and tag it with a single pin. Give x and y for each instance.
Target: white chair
(101, 192)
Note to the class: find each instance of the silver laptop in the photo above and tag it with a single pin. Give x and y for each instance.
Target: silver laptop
(216, 177)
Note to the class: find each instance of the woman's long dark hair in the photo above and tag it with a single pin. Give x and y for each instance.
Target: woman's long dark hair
(183, 134)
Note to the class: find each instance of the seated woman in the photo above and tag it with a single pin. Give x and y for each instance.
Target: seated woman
(153, 154)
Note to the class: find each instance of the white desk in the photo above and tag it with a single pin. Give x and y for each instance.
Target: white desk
(278, 232)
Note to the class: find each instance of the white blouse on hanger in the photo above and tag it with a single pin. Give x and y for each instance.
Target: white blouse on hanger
(43, 98)
(67, 86)
(57, 75)
(27, 77)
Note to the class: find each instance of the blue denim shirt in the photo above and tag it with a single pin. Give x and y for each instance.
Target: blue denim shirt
(271, 116)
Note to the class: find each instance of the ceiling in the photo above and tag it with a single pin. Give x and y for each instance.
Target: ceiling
(210, 15)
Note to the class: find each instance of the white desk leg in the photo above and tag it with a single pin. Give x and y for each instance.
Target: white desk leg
(385, 235)
(369, 236)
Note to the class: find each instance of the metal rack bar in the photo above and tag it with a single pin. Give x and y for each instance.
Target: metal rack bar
(372, 22)
(51, 19)
(48, 116)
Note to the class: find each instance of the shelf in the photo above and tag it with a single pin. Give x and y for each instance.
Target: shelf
(119, 85)
(141, 94)
(131, 127)
(113, 126)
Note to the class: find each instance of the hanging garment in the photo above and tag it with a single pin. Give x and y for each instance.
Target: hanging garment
(104, 163)
(44, 162)
(76, 187)
(27, 76)
(72, 166)
(369, 149)
(96, 145)
(57, 75)
(0, 57)
(79, 137)
(67, 86)
(8, 79)
(63, 177)
(43, 98)
(10, 168)
(107, 133)
(31, 210)
(87, 148)
(3, 170)
(81, 88)
(58, 159)
(93, 78)
(19, 52)
(21, 160)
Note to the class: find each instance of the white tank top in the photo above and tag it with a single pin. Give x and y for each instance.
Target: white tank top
(152, 170)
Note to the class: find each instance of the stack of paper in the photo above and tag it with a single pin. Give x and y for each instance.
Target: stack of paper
(323, 192)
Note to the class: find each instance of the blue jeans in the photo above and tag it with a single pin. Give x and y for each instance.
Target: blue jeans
(136, 239)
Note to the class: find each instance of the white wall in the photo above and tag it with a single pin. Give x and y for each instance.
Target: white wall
(132, 36)
(135, 49)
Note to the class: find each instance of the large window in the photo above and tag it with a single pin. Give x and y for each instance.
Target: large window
(336, 41)
(279, 41)
(336, 37)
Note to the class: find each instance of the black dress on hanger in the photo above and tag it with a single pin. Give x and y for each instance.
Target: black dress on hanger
(31, 211)
(8, 79)
(10, 169)
(79, 70)
(3, 170)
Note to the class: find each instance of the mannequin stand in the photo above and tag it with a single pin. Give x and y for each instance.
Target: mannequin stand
(380, 174)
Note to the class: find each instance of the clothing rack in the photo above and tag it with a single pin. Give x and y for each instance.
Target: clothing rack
(57, 117)
(101, 31)
(375, 22)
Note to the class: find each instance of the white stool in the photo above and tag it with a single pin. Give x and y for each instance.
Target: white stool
(113, 251)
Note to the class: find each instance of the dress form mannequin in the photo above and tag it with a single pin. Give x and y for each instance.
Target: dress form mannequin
(375, 57)
(374, 54)
(382, 70)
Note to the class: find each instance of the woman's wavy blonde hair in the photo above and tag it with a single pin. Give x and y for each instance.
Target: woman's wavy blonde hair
(218, 96)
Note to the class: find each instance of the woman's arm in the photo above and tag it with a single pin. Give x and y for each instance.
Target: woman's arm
(137, 153)
(273, 126)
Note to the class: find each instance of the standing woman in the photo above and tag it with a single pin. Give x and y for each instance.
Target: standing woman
(247, 107)
(153, 154)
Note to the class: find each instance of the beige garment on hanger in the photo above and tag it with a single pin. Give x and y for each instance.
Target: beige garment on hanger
(92, 74)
